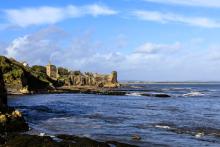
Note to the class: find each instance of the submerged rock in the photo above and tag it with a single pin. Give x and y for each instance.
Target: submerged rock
(136, 137)
(197, 132)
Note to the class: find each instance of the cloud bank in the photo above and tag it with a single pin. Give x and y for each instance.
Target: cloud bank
(147, 61)
(201, 3)
(47, 15)
(51, 15)
(157, 16)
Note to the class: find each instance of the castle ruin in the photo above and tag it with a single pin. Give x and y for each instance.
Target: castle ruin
(76, 78)
(52, 71)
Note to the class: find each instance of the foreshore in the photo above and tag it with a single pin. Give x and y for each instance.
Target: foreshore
(72, 89)
(61, 140)
(122, 91)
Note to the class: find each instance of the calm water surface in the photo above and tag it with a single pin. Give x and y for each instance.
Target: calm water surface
(190, 117)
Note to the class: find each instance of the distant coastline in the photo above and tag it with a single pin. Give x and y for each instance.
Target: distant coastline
(167, 82)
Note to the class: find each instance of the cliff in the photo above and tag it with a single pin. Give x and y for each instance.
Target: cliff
(11, 120)
(21, 79)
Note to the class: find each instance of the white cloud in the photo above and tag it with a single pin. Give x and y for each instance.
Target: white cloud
(16, 44)
(161, 17)
(97, 10)
(50, 15)
(151, 48)
(148, 61)
(38, 47)
(202, 3)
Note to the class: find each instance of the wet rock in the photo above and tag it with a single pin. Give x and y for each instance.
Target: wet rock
(86, 142)
(2, 140)
(136, 137)
(3, 119)
(82, 141)
(198, 132)
(161, 95)
(3, 93)
(16, 114)
(25, 140)
(12, 121)
(118, 144)
(156, 95)
(113, 93)
(103, 92)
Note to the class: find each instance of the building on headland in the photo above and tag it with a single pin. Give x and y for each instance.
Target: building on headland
(52, 71)
(76, 78)
(92, 79)
(25, 64)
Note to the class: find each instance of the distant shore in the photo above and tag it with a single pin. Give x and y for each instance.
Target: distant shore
(134, 82)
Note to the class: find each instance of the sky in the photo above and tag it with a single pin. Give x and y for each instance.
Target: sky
(148, 40)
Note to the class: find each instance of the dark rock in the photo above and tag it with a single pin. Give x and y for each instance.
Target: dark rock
(3, 93)
(118, 144)
(112, 93)
(82, 141)
(194, 131)
(11, 120)
(25, 140)
(156, 95)
(161, 95)
(12, 123)
(136, 137)
(2, 140)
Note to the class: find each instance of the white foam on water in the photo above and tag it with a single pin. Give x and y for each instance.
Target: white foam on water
(42, 134)
(176, 89)
(194, 93)
(161, 126)
(87, 135)
(199, 135)
(133, 94)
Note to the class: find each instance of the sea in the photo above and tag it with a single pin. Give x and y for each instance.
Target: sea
(190, 117)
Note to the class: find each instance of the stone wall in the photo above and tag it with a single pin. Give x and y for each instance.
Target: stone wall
(92, 79)
(3, 93)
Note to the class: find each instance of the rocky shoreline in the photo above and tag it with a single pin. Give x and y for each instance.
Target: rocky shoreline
(25, 140)
(94, 90)
(13, 127)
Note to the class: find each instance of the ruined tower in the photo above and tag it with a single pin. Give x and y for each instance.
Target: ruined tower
(52, 71)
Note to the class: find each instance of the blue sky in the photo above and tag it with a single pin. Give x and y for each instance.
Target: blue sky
(152, 40)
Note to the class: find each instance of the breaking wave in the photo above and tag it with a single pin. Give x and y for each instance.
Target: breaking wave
(193, 94)
(133, 94)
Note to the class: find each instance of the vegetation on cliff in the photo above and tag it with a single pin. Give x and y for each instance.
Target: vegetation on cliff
(21, 79)
(18, 77)
(11, 120)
